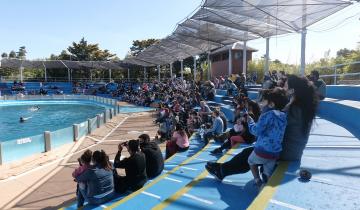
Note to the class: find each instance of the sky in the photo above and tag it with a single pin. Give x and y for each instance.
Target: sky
(49, 26)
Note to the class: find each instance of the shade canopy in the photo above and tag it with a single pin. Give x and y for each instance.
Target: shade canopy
(218, 23)
(59, 64)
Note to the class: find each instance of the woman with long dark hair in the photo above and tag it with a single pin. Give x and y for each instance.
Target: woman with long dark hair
(301, 113)
(99, 181)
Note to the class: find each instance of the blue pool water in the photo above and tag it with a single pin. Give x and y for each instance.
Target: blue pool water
(51, 116)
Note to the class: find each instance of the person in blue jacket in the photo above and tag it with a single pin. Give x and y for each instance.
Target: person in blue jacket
(99, 181)
(269, 132)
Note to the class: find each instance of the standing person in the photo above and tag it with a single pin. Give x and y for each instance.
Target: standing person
(99, 181)
(135, 168)
(178, 143)
(153, 156)
(319, 84)
(301, 112)
(269, 131)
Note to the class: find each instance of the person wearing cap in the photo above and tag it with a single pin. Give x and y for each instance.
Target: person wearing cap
(135, 168)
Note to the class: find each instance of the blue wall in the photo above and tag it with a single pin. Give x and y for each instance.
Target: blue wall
(344, 92)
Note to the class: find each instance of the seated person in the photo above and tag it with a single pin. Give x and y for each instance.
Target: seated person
(204, 111)
(269, 131)
(216, 129)
(84, 164)
(178, 143)
(319, 84)
(223, 118)
(193, 122)
(239, 134)
(99, 181)
(176, 107)
(163, 113)
(153, 156)
(135, 168)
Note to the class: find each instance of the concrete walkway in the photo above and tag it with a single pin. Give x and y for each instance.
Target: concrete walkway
(51, 186)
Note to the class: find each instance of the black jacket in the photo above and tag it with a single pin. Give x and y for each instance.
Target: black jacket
(135, 168)
(154, 159)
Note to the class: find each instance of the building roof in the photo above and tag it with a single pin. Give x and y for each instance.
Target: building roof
(235, 46)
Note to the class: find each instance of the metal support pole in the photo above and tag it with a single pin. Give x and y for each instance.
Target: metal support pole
(335, 76)
(109, 75)
(266, 67)
(230, 62)
(171, 70)
(21, 73)
(144, 74)
(45, 73)
(209, 66)
(182, 69)
(195, 70)
(303, 47)
(128, 74)
(244, 59)
(69, 75)
(158, 67)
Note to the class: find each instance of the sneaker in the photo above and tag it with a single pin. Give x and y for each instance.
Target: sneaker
(217, 151)
(215, 172)
(259, 184)
(264, 178)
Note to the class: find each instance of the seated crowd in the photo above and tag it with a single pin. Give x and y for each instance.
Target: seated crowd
(275, 128)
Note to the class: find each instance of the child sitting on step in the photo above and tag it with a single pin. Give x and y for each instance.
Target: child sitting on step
(84, 162)
(269, 131)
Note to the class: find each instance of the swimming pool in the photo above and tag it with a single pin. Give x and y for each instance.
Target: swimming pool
(58, 116)
(51, 116)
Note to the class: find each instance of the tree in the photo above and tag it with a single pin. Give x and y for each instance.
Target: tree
(64, 56)
(22, 52)
(83, 51)
(4, 55)
(140, 45)
(12, 54)
(54, 57)
(344, 52)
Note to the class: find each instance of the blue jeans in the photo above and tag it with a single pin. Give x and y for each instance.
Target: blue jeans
(82, 197)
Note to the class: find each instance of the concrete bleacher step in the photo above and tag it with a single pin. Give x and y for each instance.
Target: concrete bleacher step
(342, 112)
(205, 192)
(331, 155)
(175, 179)
(175, 167)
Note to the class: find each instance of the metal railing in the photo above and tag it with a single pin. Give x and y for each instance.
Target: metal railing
(78, 79)
(17, 149)
(338, 77)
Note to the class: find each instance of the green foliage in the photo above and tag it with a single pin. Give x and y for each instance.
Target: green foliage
(4, 55)
(140, 45)
(12, 54)
(324, 65)
(83, 51)
(21, 54)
